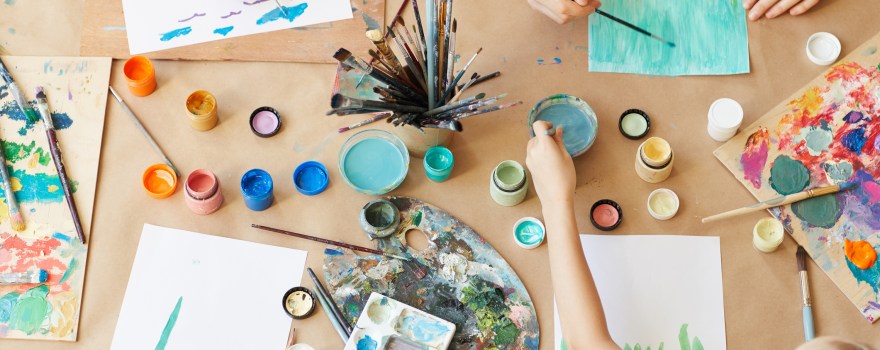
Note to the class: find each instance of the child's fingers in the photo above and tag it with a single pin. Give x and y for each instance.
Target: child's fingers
(781, 7)
(803, 6)
(760, 8)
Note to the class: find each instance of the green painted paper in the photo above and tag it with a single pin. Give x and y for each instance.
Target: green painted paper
(710, 38)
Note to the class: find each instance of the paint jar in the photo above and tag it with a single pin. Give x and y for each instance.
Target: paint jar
(140, 75)
(725, 117)
(663, 204)
(529, 232)
(310, 178)
(577, 119)
(265, 121)
(768, 235)
(256, 188)
(634, 124)
(201, 107)
(379, 218)
(203, 194)
(823, 48)
(419, 143)
(159, 180)
(373, 162)
(606, 215)
(654, 160)
(509, 183)
(438, 163)
(299, 302)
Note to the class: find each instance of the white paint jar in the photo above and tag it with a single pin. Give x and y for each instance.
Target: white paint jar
(725, 118)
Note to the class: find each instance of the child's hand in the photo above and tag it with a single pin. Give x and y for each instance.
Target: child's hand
(551, 166)
(563, 11)
(774, 8)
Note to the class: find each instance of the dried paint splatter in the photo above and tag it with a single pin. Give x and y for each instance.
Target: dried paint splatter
(755, 156)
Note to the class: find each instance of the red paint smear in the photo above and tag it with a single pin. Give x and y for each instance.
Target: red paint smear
(850, 72)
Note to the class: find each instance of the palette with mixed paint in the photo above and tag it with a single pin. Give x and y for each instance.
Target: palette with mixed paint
(826, 134)
(459, 277)
(389, 324)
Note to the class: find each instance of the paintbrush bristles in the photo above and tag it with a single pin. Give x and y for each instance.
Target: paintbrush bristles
(17, 222)
(801, 258)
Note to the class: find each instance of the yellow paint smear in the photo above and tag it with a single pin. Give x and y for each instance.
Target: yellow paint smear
(16, 184)
(53, 188)
(63, 317)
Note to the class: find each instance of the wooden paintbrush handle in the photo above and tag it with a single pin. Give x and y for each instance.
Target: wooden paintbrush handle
(775, 202)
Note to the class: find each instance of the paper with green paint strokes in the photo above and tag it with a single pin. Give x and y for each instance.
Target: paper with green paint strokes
(710, 38)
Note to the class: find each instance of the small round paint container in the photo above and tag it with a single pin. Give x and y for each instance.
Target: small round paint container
(265, 121)
(202, 190)
(634, 124)
(310, 178)
(606, 215)
(201, 107)
(663, 204)
(373, 162)
(379, 218)
(823, 48)
(509, 183)
(438, 163)
(299, 302)
(159, 180)
(529, 232)
(578, 121)
(256, 188)
(725, 118)
(768, 235)
(140, 75)
(654, 160)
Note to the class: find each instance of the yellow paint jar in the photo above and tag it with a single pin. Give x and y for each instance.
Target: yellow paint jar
(201, 107)
(768, 235)
(654, 160)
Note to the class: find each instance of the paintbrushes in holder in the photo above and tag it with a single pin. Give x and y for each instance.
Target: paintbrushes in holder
(780, 201)
(330, 242)
(341, 101)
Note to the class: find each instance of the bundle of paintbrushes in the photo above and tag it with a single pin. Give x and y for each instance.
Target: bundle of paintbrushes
(418, 85)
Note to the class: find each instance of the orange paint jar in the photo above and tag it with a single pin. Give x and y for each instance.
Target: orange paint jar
(141, 75)
(159, 181)
(201, 106)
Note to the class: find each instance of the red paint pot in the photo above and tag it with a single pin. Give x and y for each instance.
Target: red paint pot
(203, 194)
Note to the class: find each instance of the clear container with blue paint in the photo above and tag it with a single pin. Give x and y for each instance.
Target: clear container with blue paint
(256, 188)
(374, 162)
(578, 121)
(438, 163)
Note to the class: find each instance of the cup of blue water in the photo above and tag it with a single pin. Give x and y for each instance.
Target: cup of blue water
(256, 188)
(438, 163)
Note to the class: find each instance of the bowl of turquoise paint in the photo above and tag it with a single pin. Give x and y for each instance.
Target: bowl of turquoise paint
(529, 232)
(577, 119)
(373, 162)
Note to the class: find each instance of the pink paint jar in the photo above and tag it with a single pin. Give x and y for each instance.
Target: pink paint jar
(203, 194)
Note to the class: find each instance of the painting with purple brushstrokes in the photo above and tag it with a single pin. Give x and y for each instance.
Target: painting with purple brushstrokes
(459, 278)
(77, 92)
(164, 24)
(825, 134)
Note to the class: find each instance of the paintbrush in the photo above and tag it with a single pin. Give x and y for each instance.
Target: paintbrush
(415, 6)
(327, 241)
(470, 107)
(409, 38)
(412, 67)
(374, 119)
(460, 74)
(482, 79)
(634, 27)
(780, 201)
(451, 106)
(377, 58)
(809, 332)
(15, 217)
(453, 125)
(431, 47)
(325, 304)
(450, 57)
(461, 91)
(378, 39)
(280, 8)
(487, 110)
(26, 277)
(342, 101)
(43, 109)
(347, 59)
(143, 130)
(333, 307)
(17, 95)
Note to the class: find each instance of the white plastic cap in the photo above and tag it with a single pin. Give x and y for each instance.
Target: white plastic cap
(823, 48)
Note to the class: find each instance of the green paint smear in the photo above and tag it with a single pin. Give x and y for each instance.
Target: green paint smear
(70, 268)
(16, 152)
(488, 306)
(169, 326)
(789, 176)
(31, 311)
(7, 303)
(417, 218)
(684, 340)
(821, 211)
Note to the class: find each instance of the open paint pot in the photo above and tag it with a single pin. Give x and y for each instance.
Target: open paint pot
(159, 180)
(606, 215)
(438, 163)
(310, 178)
(265, 121)
(634, 124)
(577, 119)
(201, 107)
(299, 302)
(509, 183)
(768, 235)
(380, 218)
(373, 162)
(529, 232)
(257, 187)
(140, 75)
(663, 204)
(203, 194)
(823, 48)
(654, 160)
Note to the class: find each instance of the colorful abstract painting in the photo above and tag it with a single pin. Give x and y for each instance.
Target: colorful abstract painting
(459, 277)
(825, 134)
(709, 35)
(164, 24)
(77, 92)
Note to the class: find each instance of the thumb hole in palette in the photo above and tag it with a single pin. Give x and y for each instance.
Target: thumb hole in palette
(416, 239)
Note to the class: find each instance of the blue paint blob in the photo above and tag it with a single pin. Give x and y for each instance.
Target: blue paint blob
(853, 117)
(223, 31)
(871, 276)
(370, 21)
(176, 33)
(855, 140)
(332, 252)
(422, 329)
(374, 165)
(292, 13)
(367, 343)
(61, 237)
(9, 2)
(11, 30)
(10, 110)
(540, 61)
(61, 121)
(557, 60)
(36, 187)
(7, 303)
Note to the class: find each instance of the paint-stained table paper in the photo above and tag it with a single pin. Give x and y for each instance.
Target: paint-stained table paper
(162, 24)
(658, 292)
(709, 35)
(194, 291)
(76, 88)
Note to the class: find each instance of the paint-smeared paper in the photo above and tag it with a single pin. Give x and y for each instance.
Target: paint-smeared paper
(194, 291)
(163, 24)
(658, 291)
(77, 92)
(709, 35)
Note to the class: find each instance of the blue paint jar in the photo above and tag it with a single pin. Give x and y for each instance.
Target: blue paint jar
(438, 163)
(256, 187)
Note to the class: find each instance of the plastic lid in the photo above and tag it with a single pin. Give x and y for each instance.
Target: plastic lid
(529, 232)
(823, 48)
(159, 180)
(265, 121)
(606, 215)
(663, 204)
(726, 114)
(310, 178)
(634, 124)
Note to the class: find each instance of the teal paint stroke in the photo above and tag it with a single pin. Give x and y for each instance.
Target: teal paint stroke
(175, 33)
(710, 38)
(290, 14)
(35, 187)
(223, 31)
(169, 326)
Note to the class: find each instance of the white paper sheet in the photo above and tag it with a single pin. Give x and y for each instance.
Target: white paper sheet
(651, 286)
(229, 292)
(154, 25)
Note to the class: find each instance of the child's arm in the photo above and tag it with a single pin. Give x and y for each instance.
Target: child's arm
(580, 310)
